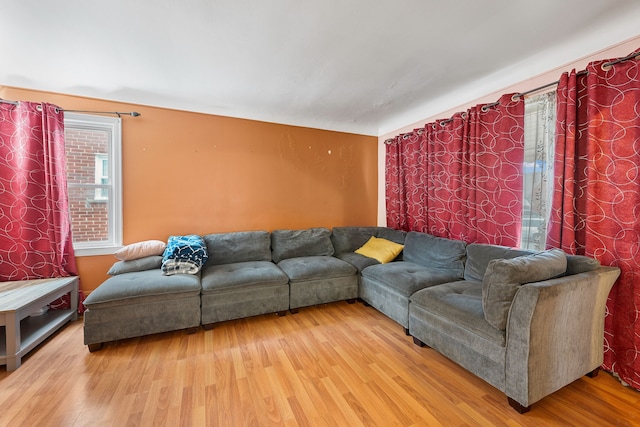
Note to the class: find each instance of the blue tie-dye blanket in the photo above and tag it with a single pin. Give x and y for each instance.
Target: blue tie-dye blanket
(184, 255)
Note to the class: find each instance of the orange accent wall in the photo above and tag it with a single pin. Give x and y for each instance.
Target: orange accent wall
(195, 173)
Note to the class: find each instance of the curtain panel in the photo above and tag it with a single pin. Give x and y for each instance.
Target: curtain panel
(35, 226)
(596, 201)
(460, 178)
(405, 187)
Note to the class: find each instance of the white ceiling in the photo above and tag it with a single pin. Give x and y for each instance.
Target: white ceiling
(358, 66)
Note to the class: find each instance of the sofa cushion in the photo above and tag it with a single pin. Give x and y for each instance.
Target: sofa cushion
(228, 248)
(300, 243)
(397, 236)
(142, 286)
(242, 275)
(360, 262)
(479, 255)
(577, 264)
(315, 267)
(348, 239)
(504, 277)
(139, 264)
(382, 250)
(460, 303)
(435, 252)
(405, 278)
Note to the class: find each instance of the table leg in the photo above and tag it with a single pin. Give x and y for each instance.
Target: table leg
(73, 300)
(12, 330)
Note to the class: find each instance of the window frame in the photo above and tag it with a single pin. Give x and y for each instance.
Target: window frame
(113, 126)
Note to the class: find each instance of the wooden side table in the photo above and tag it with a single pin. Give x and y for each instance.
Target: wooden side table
(19, 331)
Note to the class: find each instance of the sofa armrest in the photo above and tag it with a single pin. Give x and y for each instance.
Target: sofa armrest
(555, 333)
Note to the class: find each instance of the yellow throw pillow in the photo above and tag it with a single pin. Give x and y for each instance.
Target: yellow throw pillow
(382, 250)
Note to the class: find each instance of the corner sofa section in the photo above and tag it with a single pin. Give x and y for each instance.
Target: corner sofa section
(315, 275)
(427, 261)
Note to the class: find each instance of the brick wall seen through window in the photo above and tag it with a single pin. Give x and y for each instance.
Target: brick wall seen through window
(89, 214)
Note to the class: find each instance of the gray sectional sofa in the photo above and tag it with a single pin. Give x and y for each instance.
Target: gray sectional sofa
(527, 323)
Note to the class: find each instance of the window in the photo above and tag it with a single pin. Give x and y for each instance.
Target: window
(93, 147)
(539, 142)
(102, 177)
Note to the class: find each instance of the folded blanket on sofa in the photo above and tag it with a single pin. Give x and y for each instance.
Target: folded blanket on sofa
(184, 255)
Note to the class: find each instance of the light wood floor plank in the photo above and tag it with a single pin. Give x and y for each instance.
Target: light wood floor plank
(332, 365)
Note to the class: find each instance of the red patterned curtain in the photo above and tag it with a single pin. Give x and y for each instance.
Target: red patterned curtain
(405, 179)
(460, 178)
(596, 204)
(35, 227)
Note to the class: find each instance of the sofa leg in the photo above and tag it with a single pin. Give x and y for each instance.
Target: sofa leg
(366, 304)
(518, 407)
(192, 330)
(351, 301)
(406, 332)
(417, 342)
(593, 373)
(282, 313)
(294, 310)
(208, 326)
(95, 347)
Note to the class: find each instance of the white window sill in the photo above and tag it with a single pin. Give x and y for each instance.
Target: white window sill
(102, 250)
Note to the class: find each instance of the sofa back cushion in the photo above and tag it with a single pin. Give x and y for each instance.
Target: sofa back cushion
(577, 264)
(348, 239)
(479, 255)
(242, 246)
(397, 236)
(504, 277)
(435, 252)
(299, 243)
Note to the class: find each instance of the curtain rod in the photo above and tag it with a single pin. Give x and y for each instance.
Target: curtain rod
(117, 113)
(606, 66)
(518, 95)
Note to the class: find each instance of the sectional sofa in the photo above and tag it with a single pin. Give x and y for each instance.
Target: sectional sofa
(527, 323)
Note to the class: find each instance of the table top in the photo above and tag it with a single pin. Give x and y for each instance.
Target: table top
(16, 294)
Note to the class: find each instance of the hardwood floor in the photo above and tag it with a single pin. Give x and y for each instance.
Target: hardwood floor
(333, 365)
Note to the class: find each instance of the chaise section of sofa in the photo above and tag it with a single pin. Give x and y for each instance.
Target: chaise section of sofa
(315, 275)
(240, 280)
(138, 303)
(549, 334)
(427, 261)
